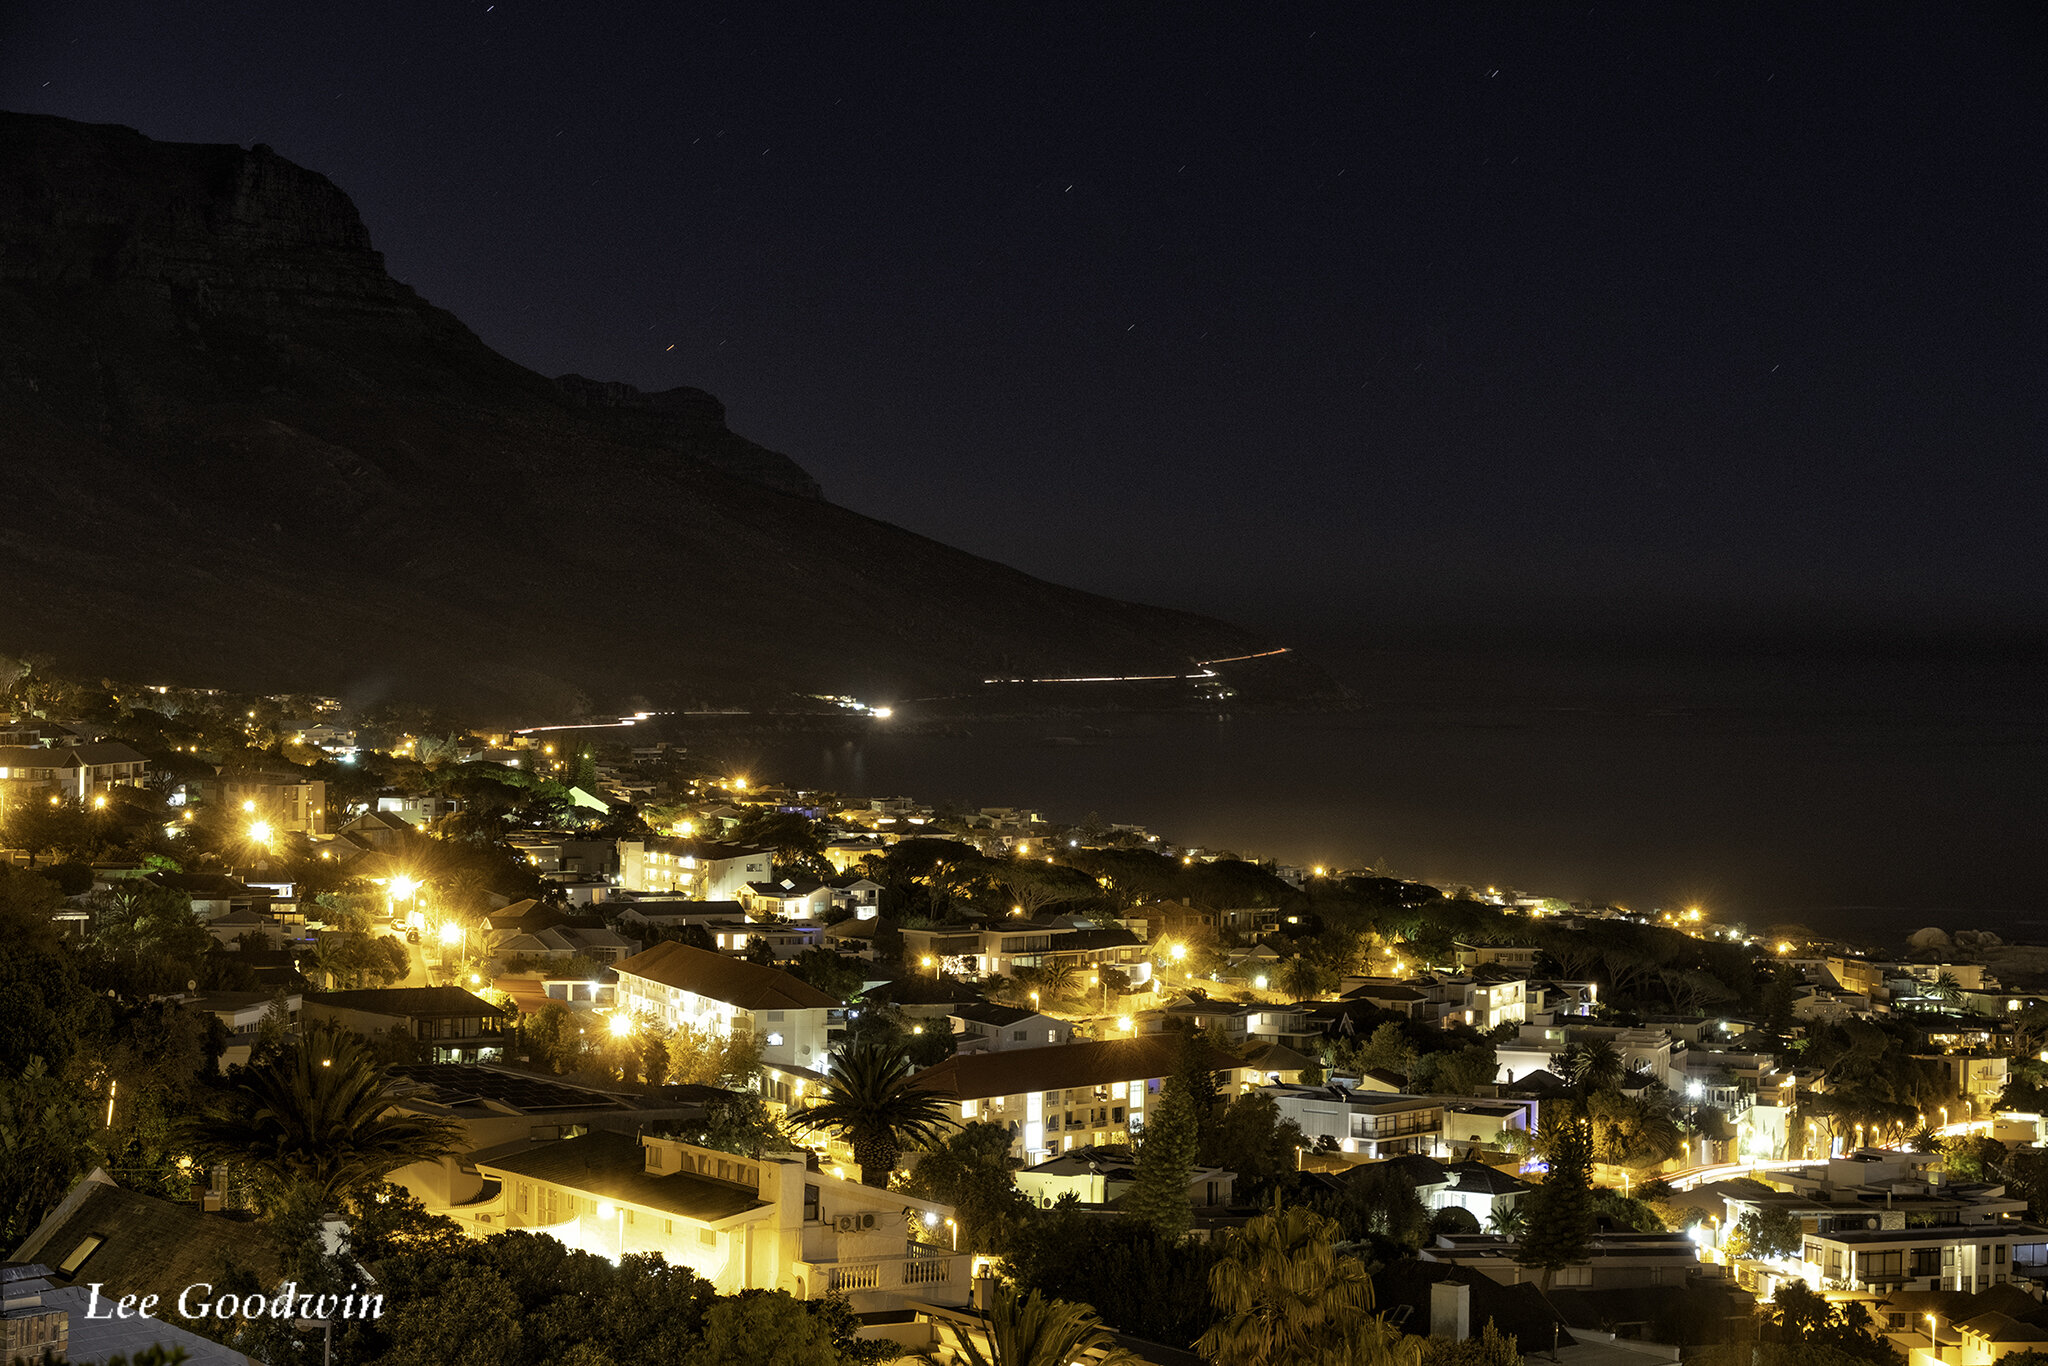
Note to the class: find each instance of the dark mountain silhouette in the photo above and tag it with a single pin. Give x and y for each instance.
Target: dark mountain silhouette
(238, 452)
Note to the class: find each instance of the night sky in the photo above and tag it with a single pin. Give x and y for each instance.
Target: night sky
(1635, 314)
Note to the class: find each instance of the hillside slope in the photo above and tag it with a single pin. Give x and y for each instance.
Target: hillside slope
(238, 451)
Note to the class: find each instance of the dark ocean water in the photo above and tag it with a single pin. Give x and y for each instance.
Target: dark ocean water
(1865, 797)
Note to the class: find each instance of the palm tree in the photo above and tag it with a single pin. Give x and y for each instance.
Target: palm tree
(1591, 1067)
(1947, 989)
(1509, 1221)
(1284, 1297)
(869, 1101)
(1035, 1331)
(1299, 978)
(319, 1120)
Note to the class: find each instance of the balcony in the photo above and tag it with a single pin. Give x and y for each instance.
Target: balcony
(935, 1275)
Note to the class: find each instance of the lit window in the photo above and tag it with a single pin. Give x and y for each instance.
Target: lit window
(775, 1041)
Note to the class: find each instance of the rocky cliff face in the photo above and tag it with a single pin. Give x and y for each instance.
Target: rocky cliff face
(238, 450)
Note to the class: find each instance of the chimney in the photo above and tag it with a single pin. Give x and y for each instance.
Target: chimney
(1450, 1311)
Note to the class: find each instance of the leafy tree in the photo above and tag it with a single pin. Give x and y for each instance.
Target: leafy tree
(869, 1100)
(798, 844)
(704, 1057)
(737, 1123)
(1973, 1157)
(1030, 1330)
(835, 974)
(971, 1172)
(764, 1328)
(1140, 1282)
(1386, 1050)
(472, 1319)
(1252, 1140)
(1799, 1315)
(1284, 1296)
(1462, 1071)
(1612, 1209)
(321, 1118)
(1166, 1158)
(1377, 1201)
(1560, 1211)
(1768, 1232)
(554, 1038)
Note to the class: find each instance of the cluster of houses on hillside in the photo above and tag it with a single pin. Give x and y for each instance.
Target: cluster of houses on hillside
(693, 931)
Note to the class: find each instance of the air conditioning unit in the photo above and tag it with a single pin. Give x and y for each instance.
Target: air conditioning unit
(867, 1221)
(847, 1223)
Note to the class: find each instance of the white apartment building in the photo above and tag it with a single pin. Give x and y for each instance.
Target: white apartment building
(741, 1223)
(680, 985)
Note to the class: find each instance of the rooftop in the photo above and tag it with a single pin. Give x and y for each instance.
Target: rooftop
(714, 976)
(614, 1166)
(1097, 1062)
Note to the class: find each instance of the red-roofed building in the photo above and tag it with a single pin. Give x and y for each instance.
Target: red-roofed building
(682, 985)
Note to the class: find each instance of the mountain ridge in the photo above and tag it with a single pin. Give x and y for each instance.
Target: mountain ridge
(240, 450)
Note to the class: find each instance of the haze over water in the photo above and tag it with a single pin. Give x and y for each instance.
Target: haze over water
(1866, 797)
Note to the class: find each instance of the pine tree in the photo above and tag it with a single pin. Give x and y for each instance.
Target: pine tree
(1166, 1158)
(1560, 1211)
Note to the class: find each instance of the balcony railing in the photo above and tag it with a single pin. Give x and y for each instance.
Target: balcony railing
(928, 1273)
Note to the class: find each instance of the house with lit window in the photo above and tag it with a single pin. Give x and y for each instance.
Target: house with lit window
(1066, 1096)
(285, 799)
(72, 773)
(742, 1223)
(1878, 1221)
(985, 1027)
(1098, 1177)
(454, 1025)
(1374, 1123)
(682, 985)
(792, 898)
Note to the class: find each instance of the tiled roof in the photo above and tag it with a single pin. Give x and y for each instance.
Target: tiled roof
(411, 1002)
(978, 1076)
(736, 982)
(147, 1245)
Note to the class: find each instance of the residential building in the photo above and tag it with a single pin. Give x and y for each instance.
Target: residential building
(101, 1232)
(500, 1110)
(682, 985)
(1067, 1096)
(1483, 1192)
(453, 1024)
(287, 800)
(1877, 1221)
(1621, 1260)
(1101, 1176)
(418, 808)
(1516, 958)
(1374, 1123)
(791, 898)
(741, 1223)
(72, 773)
(241, 1013)
(984, 1027)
